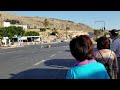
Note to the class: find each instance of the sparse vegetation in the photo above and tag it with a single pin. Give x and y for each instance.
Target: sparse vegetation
(43, 29)
(54, 33)
(67, 28)
(31, 33)
(11, 32)
(46, 23)
(106, 33)
(98, 33)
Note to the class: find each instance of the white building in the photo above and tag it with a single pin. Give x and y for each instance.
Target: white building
(7, 24)
(23, 26)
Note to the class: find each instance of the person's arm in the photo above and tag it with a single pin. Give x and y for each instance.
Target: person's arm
(115, 66)
(114, 46)
(70, 74)
(106, 75)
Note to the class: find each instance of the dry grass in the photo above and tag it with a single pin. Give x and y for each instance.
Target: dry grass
(60, 25)
(38, 22)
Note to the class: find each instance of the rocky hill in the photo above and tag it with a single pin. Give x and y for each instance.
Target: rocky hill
(38, 22)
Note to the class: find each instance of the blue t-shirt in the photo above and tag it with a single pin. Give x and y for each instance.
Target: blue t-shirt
(93, 70)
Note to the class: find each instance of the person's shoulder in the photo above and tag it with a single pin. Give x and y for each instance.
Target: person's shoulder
(97, 51)
(117, 40)
(103, 51)
(111, 52)
(98, 64)
(73, 68)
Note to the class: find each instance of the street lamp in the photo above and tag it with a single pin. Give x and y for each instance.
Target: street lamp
(102, 22)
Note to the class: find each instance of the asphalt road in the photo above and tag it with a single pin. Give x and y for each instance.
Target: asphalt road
(36, 62)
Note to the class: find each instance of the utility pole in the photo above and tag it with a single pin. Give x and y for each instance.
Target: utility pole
(103, 23)
(103, 28)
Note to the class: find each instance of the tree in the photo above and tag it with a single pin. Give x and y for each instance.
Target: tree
(19, 31)
(98, 33)
(54, 33)
(11, 32)
(46, 22)
(31, 33)
(2, 32)
(1, 35)
(67, 28)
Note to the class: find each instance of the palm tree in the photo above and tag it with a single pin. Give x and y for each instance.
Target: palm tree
(67, 28)
(46, 22)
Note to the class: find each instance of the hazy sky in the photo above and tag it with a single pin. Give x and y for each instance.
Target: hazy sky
(111, 18)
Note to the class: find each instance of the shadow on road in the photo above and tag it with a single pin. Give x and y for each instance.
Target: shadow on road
(58, 71)
(38, 73)
(67, 50)
(60, 63)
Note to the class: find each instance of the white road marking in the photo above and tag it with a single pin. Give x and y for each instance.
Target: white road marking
(59, 51)
(39, 62)
(33, 52)
(41, 46)
(64, 46)
(52, 55)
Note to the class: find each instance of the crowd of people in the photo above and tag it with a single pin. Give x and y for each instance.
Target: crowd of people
(102, 64)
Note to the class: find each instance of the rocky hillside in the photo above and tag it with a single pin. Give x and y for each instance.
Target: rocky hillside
(38, 22)
(35, 23)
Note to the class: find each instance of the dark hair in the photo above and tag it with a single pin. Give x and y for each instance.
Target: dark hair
(103, 43)
(82, 48)
(114, 32)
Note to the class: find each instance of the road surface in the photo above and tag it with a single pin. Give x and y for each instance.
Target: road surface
(36, 62)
